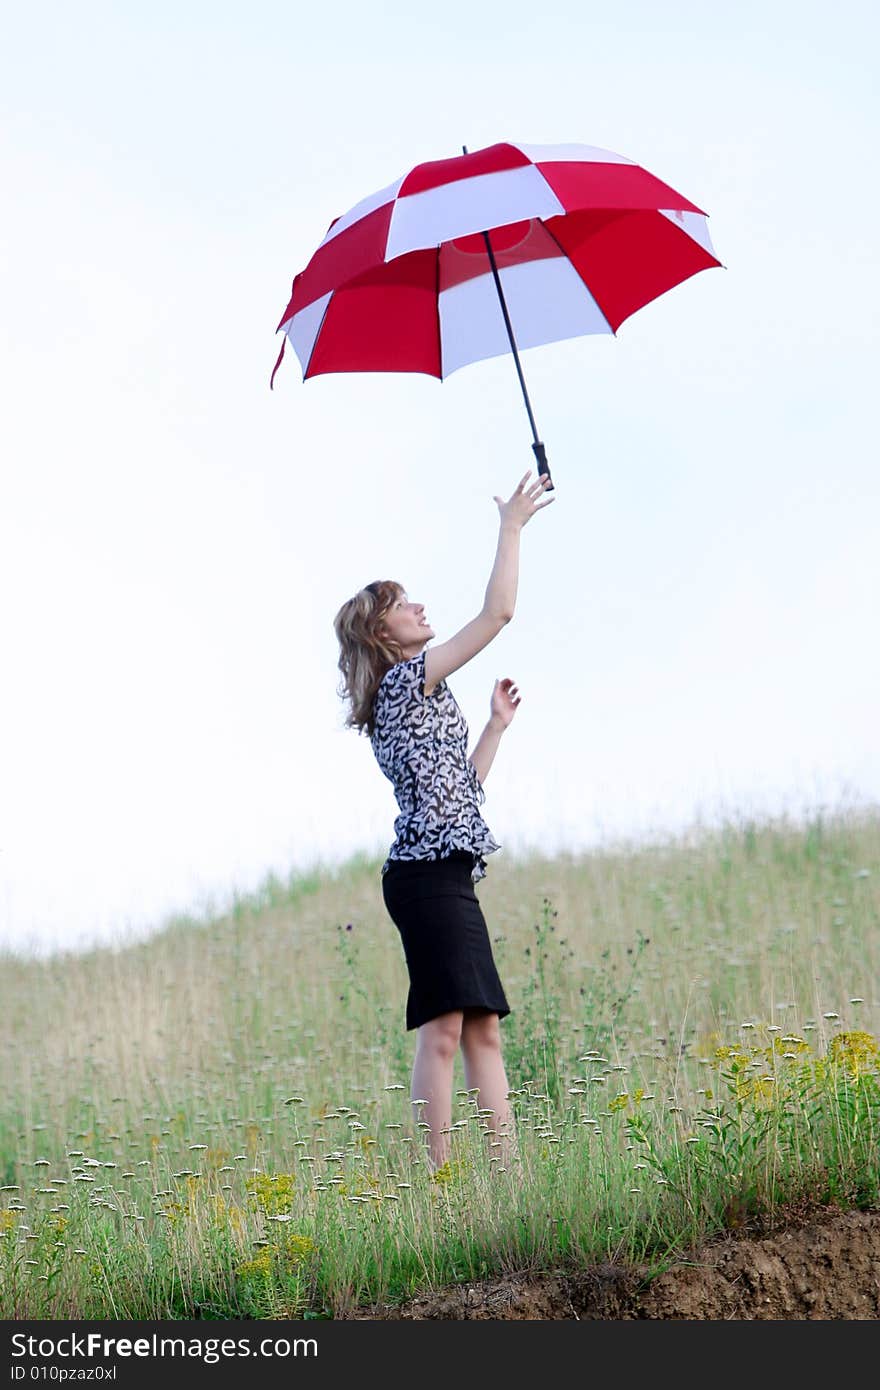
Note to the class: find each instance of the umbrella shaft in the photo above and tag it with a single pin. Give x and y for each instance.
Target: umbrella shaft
(537, 446)
(509, 326)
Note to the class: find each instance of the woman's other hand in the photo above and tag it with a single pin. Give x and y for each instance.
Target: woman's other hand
(525, 501)
(504, 702)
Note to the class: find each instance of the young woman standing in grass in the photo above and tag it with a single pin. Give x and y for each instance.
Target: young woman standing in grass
(396, 690)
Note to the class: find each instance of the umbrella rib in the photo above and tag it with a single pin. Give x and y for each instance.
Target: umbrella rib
(317, 335)
(557, 242)
(437, 302)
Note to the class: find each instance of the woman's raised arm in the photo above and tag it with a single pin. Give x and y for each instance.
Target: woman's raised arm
(500, 599)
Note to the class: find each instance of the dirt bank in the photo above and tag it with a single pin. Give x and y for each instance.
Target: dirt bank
(823, 1264)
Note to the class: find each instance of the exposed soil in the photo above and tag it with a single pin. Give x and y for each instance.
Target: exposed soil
(822, 1264)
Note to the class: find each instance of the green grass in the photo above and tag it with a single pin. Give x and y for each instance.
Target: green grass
(215, 1122)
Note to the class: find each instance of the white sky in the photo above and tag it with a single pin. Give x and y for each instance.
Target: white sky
(696, 630)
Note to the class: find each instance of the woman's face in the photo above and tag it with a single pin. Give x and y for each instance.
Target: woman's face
(406, 624)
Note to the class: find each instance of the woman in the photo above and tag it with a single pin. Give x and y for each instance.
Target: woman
(397, 691)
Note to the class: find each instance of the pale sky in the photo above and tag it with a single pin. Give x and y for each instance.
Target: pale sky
(696, 627)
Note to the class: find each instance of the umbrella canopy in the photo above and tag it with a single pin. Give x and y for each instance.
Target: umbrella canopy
(404, 281)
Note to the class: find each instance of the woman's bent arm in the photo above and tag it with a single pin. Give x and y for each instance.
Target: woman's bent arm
(486, 747)
(502, 707)
(500, 597)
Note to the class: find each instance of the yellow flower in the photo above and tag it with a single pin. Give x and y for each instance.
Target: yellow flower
(296, 1248)
(7, 1221)
(450, 1171)
(857, 1051)
(762, 1088)
(174, 1212)
(272, 1193)
(260, 1266)
(790, 1042)
(285, 1255)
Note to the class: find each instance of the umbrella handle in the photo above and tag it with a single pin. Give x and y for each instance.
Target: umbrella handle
(541, 455)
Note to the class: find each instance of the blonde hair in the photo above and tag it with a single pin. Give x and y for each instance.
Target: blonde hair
(365, 654)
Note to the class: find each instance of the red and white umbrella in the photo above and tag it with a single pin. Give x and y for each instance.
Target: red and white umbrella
(503, 248)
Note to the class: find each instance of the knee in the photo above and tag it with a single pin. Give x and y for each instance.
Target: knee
(441, 1036)
(481, 1032)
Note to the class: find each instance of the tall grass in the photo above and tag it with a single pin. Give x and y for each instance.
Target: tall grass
(215, 1122)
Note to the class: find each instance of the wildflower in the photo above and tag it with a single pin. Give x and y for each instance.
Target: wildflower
(858, 1051)
(259, 1266)
(272, 1194)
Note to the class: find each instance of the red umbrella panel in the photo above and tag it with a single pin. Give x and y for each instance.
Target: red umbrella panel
(507, 247)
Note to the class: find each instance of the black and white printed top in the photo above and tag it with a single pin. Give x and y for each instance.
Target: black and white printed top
(420, 743)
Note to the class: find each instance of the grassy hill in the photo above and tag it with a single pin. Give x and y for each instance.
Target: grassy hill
(215, 1121)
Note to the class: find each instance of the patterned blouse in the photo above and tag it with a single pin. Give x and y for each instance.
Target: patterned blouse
(420, 743)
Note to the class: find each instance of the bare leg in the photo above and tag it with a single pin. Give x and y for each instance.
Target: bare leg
(436, 1047)
(484, 1070)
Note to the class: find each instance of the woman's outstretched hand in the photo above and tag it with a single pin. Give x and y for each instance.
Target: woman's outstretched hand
(504, 702)
(524, 502)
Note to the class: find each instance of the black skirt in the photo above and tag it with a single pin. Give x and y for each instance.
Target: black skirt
(445, 939)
